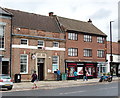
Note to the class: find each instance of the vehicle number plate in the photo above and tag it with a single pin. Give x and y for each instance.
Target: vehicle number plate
(7, 84)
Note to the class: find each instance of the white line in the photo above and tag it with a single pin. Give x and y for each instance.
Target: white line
(72, 92)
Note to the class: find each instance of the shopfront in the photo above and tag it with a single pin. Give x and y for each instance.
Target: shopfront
(102, 68)
(81, 67)
(116, 68)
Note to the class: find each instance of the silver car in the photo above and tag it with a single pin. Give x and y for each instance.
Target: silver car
(6, 81)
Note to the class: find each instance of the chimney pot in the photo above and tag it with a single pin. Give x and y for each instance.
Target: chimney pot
(51, 13)
(90, 21)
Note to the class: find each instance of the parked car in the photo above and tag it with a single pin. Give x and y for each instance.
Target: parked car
(6, 81)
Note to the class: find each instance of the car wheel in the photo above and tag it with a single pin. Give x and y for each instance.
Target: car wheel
(9, 88)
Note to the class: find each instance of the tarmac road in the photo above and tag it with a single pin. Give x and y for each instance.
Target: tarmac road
(100, 89)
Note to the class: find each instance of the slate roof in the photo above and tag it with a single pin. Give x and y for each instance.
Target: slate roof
(4, 12)
(33, 21)
(80, 26)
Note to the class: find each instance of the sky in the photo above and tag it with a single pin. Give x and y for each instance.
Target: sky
(101, 12)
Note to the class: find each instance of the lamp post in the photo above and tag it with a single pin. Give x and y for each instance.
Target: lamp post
(111, 57)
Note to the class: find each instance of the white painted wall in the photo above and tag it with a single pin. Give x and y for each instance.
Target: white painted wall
(116, 58)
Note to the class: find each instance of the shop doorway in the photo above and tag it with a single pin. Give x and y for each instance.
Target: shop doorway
(40, 64)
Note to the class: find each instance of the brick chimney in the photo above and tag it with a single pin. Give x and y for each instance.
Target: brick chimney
(51, 13)
(90, 21)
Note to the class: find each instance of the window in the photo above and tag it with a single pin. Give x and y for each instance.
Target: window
(23, 63)
(1, 37)
(87, 38)
(41, 43)
(24, 42)
(72, 36)
(55, 63)
(100, 53)
(55, 44)
(100, 39)
(72, 52)
(88, 52)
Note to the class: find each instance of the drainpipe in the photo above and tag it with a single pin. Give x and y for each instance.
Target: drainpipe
(11, 48)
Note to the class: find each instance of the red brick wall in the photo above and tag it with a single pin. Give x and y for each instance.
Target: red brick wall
(81, 45)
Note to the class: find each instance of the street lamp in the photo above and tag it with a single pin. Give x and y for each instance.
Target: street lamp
(111, 57)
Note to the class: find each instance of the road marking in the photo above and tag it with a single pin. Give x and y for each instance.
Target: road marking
(71, 92)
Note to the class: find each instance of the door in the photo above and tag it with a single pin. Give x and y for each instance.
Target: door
(40, 63)
(5, 68)
(40, 71)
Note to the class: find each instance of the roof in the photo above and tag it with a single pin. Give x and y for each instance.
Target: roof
(33, 21)
(4, 12)
(80, 26)
(115, 48)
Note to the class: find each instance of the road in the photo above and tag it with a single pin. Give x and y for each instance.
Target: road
(99, 89)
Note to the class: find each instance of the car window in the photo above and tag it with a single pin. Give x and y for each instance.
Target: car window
(5, 77)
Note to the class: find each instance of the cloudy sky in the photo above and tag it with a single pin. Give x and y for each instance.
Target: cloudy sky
(101, 12)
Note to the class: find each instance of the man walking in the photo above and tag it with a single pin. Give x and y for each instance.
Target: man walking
(58, 75)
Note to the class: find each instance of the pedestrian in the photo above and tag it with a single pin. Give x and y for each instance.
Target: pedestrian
(34, 79)
(111, 72)
(75, 75)
(58, 75)
(85, 76)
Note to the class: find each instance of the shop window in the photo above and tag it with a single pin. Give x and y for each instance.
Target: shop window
(23, 63)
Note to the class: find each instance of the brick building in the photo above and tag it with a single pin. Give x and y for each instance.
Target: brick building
(85, 47)
(5, 41)
(37, 44)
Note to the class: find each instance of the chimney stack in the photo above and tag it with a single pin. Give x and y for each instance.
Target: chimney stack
(90, 21)
(51, 13)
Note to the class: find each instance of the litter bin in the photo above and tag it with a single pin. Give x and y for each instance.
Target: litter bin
(64, 76)
(17, 78)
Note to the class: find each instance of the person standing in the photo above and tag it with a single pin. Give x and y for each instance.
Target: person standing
(34, 79)
(85, 76)
(58, 75)
(75, 75)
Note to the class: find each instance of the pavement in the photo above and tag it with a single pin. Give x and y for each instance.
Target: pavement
(56, 84)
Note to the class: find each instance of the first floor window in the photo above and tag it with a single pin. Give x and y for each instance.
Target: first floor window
(23, 63)
(100, 53)
(72, 51)
(88, 52)
(55, 63)
(24, 41)
(41, 43)
(55, 44)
